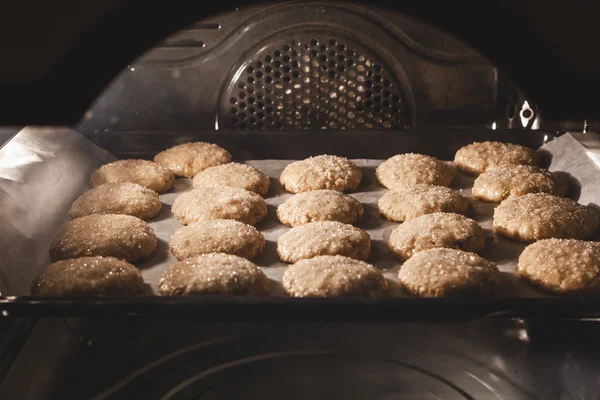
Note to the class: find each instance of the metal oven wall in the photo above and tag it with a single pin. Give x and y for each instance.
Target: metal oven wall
(306, 65)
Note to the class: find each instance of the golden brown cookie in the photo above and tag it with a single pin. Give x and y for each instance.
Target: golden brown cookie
(111, 235)
(477, 157)
(410, 169)
(499, 183)
(234, 175)
(118, 198)
(319, 205)
(219, 203)
(429, 231)
(413, 201)
(188, 159)
(143, 172)
(217, 236)
(448, 273)
(214, 274)
(323, 238)
(542, 216)
(89, 276)
(321, 172)
(334, 276)
(562, 265)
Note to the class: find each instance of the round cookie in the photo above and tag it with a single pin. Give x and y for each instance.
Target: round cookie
(214, 274)
(334, 276)
(449, 273)
(217, 236)
(410, 169)
(542, 216)
(477, 157)
(188, 159)
(323, 238)
(319, 205)
(234, 175)
(499, 183)
(413, 201)
(321, 172)
(219, 203)
(143, 172)
(110, 235)
(118, 198)
(89, 276)
(562, 265)
(437, 230)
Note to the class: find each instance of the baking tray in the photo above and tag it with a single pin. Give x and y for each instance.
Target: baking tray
(297, 145)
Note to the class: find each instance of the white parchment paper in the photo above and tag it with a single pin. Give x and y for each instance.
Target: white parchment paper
(42, 171)
(41, 181)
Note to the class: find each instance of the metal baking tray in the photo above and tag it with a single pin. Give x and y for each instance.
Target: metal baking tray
(297, 145)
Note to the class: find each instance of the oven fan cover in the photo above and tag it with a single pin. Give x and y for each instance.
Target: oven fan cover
(319, 80)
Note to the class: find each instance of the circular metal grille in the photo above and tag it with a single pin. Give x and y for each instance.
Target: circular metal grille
(321, 84)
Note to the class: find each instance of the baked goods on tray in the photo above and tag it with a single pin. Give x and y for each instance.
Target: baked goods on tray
(404, 170)
(214, 274)
(478, 157)
(118, 198)
(538, 216)
(111, 235)
(89, 276)
(188, 159)
(319, 205)
(217, 236)
(430, 231)
(234, 175)
(143, 172)
(321, 172)
(419, 220)
(413, 201)
(334, 276)
(449, 273)
(499, 183)
(562, 266)
(323, 238)
(219, 202)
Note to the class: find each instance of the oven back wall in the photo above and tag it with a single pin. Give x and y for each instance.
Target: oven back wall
(304, 65)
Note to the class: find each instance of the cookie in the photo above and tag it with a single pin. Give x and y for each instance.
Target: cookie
(319, 205)
(188, 159)
(219, 203)
(118, 198)
(89, 276)
(449, 273)
(562, 266)
(499, 183)
(217, 236)
(214, 274)
(334, 276)
(143, 172)
(323, 238)
(321, 172)
(477, 157)
(542, 216)
(437, 230)
(234, 175)
(111, 235)
(404, 170)
(413, 201)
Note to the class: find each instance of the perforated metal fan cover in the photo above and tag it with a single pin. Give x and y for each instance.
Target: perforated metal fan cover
(317, 82)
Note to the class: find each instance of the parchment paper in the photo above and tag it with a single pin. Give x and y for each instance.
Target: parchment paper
(42, 172)
(64, 172)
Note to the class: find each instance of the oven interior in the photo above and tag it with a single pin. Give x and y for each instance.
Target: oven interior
(288, 81)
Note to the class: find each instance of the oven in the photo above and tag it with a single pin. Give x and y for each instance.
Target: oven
(274, 83)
